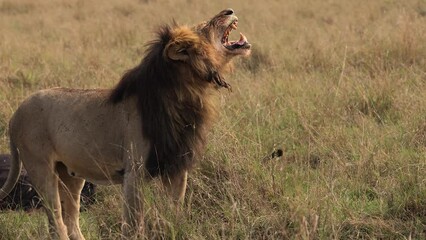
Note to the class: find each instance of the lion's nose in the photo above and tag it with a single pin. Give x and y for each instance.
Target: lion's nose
(228, 11)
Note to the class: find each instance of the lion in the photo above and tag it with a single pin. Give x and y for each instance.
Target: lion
(152, 123)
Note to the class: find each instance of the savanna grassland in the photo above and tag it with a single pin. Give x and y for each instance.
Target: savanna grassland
(339, 86)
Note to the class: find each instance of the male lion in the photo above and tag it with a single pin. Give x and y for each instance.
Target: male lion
(153, 123)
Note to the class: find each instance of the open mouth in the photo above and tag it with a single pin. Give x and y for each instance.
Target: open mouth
(233, 45)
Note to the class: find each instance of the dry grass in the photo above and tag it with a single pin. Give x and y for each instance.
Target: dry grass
(339, 85)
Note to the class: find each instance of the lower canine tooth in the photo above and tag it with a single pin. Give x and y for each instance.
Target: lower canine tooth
(242, 38)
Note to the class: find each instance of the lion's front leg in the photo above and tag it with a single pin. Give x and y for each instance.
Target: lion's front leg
(133, 203)
(175, 185)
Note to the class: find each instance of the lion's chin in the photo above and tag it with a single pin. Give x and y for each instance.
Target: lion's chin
(244, 50)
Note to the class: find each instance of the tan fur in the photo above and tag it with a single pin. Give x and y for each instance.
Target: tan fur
(154, 122)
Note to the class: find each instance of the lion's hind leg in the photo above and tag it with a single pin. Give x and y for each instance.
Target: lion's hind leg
(69, 191)
(44, 178)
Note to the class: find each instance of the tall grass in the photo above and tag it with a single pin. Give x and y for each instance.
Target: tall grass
(340, 86)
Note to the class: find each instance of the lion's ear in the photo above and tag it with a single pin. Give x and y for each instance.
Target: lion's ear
(177, 51)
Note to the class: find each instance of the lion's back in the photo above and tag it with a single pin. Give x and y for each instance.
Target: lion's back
(46, 117)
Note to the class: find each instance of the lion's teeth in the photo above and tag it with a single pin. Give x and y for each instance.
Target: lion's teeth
(242, 38)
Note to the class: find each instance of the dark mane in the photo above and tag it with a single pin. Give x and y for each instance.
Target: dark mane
(174, 107)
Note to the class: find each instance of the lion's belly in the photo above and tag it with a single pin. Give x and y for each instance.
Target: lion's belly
(96, 169)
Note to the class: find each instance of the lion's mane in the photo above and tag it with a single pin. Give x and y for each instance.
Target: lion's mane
(174, 103)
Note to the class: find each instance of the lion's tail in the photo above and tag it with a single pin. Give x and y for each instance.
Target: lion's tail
(15, 171)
